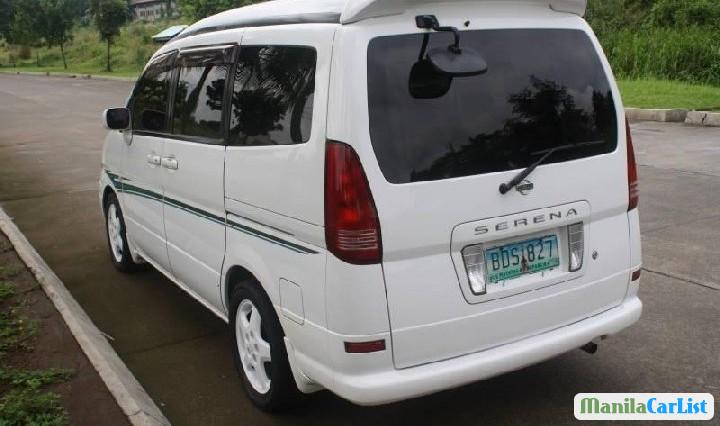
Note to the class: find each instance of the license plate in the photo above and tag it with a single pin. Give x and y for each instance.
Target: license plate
(526, 257)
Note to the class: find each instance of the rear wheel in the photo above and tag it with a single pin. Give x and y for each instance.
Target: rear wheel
(259, 349)
(116, 237)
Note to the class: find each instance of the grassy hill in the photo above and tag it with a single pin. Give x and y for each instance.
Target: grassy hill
(86, 53)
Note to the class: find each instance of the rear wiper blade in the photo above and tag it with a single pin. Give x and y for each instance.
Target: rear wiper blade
(507, 186)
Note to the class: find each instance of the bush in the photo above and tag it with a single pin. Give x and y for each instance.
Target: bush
(691, 54)
(684, 13)
(665, 39)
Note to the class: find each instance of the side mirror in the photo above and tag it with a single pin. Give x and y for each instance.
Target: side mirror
(457, 62)
(426, 82)
(116, 118)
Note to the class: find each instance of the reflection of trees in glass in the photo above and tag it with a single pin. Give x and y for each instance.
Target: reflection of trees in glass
(545, 115)
(272, 87)
(150, 101)
(199, 100)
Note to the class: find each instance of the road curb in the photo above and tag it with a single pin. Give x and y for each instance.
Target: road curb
(694, 118)
(129, 394)
(703, 118)
(661, 115)
(70, 75)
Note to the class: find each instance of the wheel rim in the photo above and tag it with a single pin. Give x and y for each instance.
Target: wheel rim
(253, 349)
(114, 229)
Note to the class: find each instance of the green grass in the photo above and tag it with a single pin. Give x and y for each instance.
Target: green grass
(22, 406)
(683, 54)
(23, 397)
(669, 94)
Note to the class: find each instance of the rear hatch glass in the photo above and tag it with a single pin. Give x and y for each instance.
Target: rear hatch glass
(543, 88)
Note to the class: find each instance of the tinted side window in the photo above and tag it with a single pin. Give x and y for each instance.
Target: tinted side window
(273, 95)
(150, 100)
(199, 96)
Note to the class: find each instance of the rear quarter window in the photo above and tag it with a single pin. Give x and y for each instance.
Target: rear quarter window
(543, 88)
(273, 94)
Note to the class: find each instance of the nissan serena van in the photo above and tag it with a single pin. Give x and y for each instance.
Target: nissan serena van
(383, 198)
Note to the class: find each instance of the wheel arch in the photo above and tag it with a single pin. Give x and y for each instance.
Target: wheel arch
(106, 195)
(238, 273)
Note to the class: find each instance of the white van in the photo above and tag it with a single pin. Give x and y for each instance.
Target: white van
(383, 198)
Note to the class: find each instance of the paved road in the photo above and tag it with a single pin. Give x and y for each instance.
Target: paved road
(50, 146)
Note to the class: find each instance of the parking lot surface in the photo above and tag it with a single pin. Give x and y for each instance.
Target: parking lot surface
(50, 156)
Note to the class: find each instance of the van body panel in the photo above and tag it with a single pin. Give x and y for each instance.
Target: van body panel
(274, 201)
(295, 173)
(195, 215)
(270, 255)
(355, 298)
(142, 197)
(427, 298)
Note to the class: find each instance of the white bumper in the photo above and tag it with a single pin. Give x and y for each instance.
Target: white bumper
(394, 385)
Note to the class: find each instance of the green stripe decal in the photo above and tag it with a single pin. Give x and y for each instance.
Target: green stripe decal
(270, 238)
(123, 185)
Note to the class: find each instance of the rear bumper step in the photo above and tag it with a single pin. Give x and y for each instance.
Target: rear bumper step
(394, 385)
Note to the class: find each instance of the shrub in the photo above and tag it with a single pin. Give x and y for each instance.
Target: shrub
(684, 13)
(665, 39)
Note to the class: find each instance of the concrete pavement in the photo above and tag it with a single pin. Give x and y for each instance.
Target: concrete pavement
(50, 149)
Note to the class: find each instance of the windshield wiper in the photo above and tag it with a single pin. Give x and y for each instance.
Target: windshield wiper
(508, 186)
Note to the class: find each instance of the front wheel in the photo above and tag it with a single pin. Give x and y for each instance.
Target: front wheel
(259, 349)
(116, 237)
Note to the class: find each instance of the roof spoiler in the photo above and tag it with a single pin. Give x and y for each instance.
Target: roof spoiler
(357, 10)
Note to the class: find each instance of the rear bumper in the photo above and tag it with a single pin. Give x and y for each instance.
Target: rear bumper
(394, 385)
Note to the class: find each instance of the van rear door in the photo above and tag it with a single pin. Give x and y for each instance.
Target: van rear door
(468, 268)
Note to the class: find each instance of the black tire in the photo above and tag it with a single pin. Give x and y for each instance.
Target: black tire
(283, 392)
(122, 260)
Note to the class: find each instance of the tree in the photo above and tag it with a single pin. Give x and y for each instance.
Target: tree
(27, 25)
(109, 16)
(59, 21)
(198, 9)
(6, 17)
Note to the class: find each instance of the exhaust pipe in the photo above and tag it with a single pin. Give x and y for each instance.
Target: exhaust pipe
(590, 348)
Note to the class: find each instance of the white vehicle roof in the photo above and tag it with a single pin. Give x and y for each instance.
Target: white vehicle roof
(279, 12)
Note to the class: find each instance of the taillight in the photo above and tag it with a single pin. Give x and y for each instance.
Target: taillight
(632, 171)
(352, 229)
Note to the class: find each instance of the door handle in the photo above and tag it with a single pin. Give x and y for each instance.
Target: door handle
(169, 163)
(153, 159)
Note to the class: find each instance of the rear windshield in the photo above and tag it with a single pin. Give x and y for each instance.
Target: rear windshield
(543, 88)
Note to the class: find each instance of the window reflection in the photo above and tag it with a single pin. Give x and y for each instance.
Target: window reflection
(543, 88)
(199, 101)
(150, 100)
(273, 95)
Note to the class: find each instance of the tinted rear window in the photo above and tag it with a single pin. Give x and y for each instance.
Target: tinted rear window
(543, 88)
